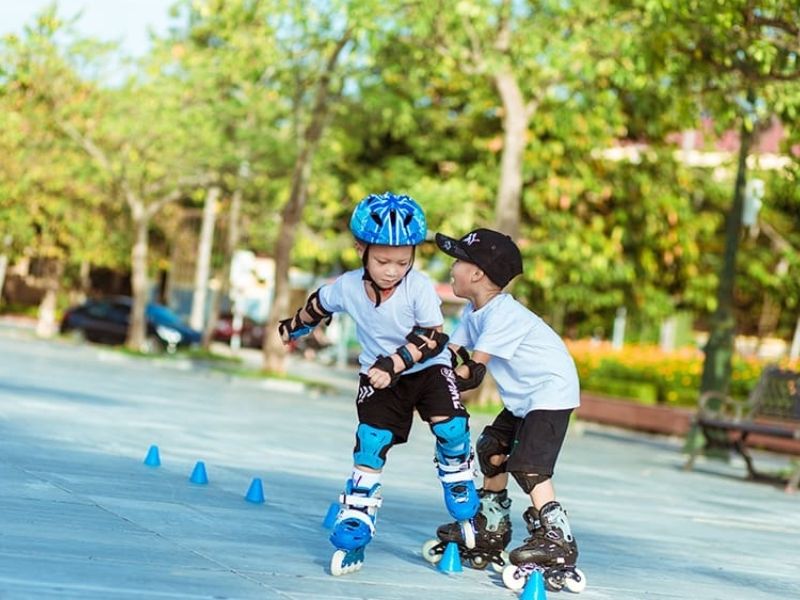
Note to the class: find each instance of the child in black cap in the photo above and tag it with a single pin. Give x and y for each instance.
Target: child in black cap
(538, 384)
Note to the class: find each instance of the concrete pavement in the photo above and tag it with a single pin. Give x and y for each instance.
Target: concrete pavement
(82, 517)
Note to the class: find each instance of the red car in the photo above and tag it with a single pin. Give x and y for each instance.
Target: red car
(252, 333)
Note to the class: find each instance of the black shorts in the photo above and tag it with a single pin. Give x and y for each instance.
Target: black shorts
(533, 441)
(432, 392)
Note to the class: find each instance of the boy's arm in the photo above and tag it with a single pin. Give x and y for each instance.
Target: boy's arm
(304, 320)
(472, 370)
(423, 343)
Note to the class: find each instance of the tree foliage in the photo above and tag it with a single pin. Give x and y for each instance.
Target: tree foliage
(486, 111)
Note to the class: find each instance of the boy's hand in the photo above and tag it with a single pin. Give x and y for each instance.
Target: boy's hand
(379, 379)
(292, 328)
(469, 375)
(381, 374)
(428, 341)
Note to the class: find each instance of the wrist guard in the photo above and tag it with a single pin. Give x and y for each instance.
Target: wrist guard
(461, 353)
(405, 355)
(477, 371)
(293, 327)
(440, 341)
(386, 364)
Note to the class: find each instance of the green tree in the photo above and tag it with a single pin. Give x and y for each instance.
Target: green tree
(740, 59)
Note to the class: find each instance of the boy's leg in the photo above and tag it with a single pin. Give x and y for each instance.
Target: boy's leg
(492, 522)
(383, 423)
(438, 402)
(531, 463)
(454, 462)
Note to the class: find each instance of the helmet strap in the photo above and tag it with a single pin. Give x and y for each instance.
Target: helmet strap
(375, 287)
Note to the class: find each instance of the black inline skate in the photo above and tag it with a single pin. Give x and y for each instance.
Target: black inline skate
(550, 549)
(492, 533)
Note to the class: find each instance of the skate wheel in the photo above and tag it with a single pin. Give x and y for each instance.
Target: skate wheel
(336, 563)
(554, 581)
(340, 566)
(499, 567)
(469, 534)
(478, 562)
(575, 582)
(430, 553)
(513, 578)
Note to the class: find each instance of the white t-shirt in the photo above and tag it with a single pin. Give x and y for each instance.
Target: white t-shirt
(381, 330)
(530, 363)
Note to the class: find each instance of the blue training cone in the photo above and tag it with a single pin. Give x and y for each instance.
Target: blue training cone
(534, 588)
(199, 473)
(152, 459)
(256, 492)
(451, 560)
(330, 518)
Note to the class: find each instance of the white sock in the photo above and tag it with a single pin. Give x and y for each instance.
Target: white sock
(363, 479)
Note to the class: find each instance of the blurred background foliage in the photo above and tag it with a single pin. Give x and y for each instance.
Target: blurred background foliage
(421, 102)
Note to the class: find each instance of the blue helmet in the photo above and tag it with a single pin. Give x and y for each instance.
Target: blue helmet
(389, 220)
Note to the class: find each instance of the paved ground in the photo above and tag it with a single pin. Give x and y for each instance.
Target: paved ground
(82, 517)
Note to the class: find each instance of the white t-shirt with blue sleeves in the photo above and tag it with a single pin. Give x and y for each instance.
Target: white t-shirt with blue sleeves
(381, 330)
(530, 362)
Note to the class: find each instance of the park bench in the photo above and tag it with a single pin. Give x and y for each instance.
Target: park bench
(771, 412)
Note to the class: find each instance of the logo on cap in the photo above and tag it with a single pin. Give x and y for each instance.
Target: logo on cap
(470, 239)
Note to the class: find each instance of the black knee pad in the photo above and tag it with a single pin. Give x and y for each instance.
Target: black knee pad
(486, 447)
(528, 481)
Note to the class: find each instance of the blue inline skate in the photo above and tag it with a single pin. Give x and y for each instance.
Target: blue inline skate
(453, 459)
(354, 527)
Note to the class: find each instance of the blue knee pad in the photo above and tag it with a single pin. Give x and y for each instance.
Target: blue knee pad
(452, 440)
(372, 444)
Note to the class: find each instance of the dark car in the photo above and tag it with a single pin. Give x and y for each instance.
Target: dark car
(251, 334)
(106, 322)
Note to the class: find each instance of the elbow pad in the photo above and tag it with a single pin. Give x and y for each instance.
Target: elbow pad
(316, 311)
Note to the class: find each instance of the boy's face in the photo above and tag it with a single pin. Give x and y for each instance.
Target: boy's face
(463, 277)
(387, 264)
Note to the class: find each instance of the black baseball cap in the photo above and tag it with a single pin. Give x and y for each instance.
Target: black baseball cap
(495, 253)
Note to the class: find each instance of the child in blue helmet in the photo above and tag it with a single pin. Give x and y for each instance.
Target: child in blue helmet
(403, 368)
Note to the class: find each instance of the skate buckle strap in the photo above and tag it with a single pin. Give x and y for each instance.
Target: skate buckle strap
(360, 501)
(452, 473)
(455, 476)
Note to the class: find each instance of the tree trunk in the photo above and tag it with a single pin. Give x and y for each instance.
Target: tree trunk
(203, 267)
(274, 352)
(137, 331)
(515, 127)
(794, 351)
(85, 277)
(46, 325)
(718, 350)
(225, 272)
(3, 267)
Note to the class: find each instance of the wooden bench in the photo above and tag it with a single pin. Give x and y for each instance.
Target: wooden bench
(772, 410)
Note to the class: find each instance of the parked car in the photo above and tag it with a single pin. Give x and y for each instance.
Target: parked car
(106, 321)
(252, 333)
